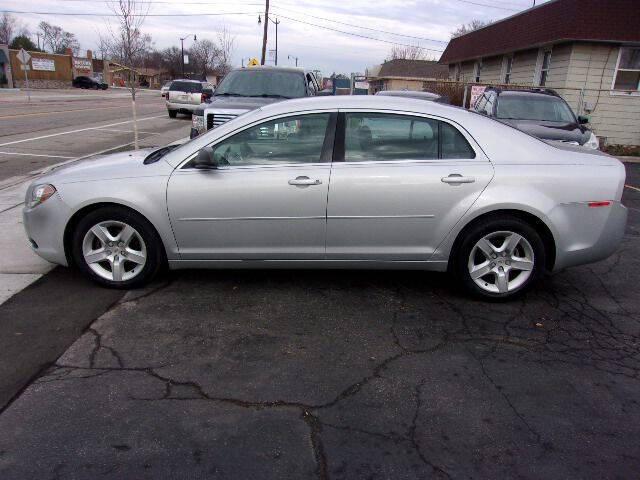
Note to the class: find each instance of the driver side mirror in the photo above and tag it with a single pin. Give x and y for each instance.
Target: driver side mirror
(204, 159)
(582, 119)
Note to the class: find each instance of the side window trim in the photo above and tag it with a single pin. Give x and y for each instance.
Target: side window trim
(339, 145)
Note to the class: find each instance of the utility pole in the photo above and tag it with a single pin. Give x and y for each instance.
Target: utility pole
(277, 22)
(264, 34)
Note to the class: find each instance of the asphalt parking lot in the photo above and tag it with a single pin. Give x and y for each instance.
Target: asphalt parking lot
(327, 374)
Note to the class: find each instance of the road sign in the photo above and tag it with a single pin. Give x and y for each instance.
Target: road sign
(23, 56)
(253, 62)
(25, 67)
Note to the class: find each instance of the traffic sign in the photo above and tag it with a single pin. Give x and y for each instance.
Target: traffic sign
(23, 56)
(253, 62)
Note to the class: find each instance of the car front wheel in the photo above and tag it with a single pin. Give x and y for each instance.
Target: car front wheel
(173, 113)
(500, 258)
(117, 248)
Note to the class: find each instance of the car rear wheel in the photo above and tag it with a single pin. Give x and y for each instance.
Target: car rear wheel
(117, 248)
(499, 259)
(173, 113)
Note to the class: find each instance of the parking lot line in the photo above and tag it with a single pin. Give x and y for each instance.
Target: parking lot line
(57, 112)
(77, 131)
(633, 188)
(34, 155)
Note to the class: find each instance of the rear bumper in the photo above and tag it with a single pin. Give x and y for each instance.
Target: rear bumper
(182, 107)
(585, 234)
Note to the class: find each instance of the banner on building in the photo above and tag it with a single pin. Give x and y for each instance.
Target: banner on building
(45, 64)
(82, 63)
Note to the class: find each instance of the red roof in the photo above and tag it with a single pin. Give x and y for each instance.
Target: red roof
(551, 22)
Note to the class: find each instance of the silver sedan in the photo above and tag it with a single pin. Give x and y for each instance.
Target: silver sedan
(337, 182)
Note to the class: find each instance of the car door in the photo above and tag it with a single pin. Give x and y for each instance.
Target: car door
(399, 183)
(266, 200)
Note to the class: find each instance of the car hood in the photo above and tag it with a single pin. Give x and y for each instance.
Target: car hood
(564, 132)
(107, 167)
(239, 103)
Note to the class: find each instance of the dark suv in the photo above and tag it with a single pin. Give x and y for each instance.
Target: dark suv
(88, 82)
(245, 89)
(539, 112)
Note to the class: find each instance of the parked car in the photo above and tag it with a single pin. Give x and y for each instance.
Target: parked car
(88, 82)
(165, 88)
(434, 97)
(245, 89)
(335, 182)
(540, 112)
(184, 96)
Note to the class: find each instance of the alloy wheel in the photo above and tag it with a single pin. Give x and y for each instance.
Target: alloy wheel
(501, 262)
(114, 251)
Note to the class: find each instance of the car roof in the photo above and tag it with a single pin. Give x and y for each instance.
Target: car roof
(521, 91)
(269, 68)
(372, 102)
(408, 93)
(186, 80)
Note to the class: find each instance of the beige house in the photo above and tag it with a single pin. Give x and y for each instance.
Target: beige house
(586, 50)
(402, 74)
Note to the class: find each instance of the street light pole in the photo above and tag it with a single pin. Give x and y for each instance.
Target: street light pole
(182, 39)
(289, 57)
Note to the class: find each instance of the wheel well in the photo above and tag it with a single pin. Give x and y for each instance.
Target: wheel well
(535, 222)
(76, 217)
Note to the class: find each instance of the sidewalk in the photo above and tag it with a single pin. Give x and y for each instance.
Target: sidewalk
(19, 266)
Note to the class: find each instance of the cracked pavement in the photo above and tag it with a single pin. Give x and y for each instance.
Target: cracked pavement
(345, 374)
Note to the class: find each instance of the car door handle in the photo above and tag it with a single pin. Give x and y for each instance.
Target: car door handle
(456, 178)
(304, 181)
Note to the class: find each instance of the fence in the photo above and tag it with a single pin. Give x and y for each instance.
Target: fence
(614, 116)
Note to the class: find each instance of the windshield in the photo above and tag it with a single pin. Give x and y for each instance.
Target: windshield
(262, 83)
(534, 107)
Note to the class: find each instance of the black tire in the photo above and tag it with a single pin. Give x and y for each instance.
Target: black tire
(460, 257)
(173, 113)
(155, 258)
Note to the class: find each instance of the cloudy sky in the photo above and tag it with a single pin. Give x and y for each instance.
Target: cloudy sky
(341, 36)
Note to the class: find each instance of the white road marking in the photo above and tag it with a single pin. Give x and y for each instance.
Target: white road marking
(77, 131)
(34, 155)
(633, 188)
(128, 131)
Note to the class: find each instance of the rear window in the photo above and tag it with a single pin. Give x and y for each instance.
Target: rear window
(188, 87)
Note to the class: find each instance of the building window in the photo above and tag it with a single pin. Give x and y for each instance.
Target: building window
(508, 64)
(627, 75)
(478, 71)
(544, 68)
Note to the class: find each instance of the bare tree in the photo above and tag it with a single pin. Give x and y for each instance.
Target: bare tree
(469, 27)
(57, 39)
(205, 55)
(407, 52)
(7, 28)
(129, 45)
(226, 46)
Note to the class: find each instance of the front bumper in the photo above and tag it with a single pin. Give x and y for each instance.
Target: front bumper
(586, 234)
(44, 226)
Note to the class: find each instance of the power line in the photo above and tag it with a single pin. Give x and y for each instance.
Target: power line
(70, 14)
(489, 6)
(357, 34)
(360, 26)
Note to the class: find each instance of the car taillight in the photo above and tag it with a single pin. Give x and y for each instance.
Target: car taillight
(604, 203)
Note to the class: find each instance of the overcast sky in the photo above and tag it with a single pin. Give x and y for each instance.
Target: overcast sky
(427, 23)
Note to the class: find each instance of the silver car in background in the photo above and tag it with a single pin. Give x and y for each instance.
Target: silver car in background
(337, 182)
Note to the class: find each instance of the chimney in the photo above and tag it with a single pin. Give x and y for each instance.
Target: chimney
(89, 54)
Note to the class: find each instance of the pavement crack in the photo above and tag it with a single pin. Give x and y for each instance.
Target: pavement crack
(98, 345)
(315, 429)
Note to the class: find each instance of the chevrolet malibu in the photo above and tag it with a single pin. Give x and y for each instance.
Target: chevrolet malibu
(337, 182)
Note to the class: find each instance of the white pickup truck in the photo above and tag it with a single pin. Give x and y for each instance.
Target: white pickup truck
(184, 96)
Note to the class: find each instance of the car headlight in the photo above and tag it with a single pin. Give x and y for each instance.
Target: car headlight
(197, 122)
(40, 194)
(593, 142)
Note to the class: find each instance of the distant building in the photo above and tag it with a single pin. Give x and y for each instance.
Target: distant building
(587, 50)
(401, 74)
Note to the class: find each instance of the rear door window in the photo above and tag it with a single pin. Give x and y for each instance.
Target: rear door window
(390, 137)
(188, 87)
